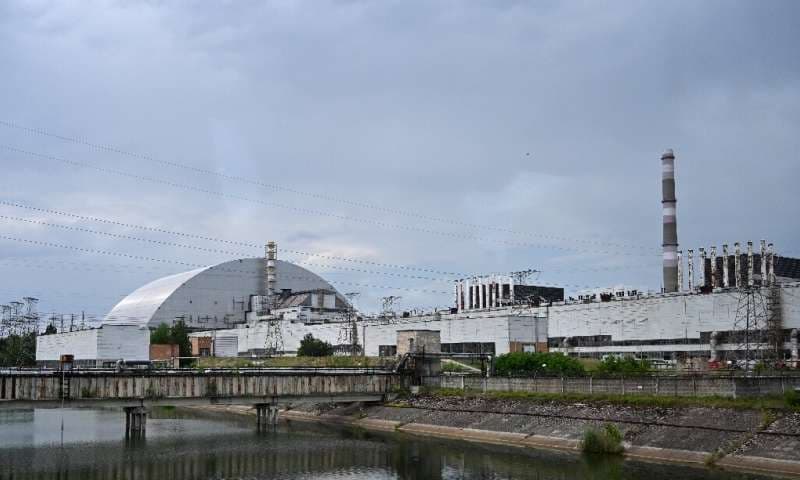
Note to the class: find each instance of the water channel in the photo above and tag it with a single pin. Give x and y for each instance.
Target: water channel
(181, 445)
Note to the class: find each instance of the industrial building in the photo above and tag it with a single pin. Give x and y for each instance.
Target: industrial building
(223, 295)
(491, 332)
(96, 347)
(740, 303)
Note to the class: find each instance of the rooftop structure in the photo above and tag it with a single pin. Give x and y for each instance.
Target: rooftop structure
(222, 295)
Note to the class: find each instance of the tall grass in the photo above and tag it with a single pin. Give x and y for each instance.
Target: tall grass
(605, 440)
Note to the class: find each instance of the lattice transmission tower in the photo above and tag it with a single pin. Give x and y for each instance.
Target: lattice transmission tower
(348, 333)
(758, 326)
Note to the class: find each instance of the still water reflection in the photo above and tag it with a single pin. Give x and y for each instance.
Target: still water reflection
(184, 445)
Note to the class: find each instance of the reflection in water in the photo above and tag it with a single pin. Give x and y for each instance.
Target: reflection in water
(190, 446)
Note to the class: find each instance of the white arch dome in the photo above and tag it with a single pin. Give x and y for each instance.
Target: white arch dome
(206, 297)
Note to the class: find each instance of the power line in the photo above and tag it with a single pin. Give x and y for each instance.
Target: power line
(283, 188)
(256, 246)
(224, 241)
(226, 252)
(172, 184)
(194, 265)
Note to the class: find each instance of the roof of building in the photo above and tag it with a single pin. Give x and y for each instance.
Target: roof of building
(210, 297)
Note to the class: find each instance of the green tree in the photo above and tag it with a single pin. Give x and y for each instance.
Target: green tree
(540, 363)
(18, 350)
(313, 347)
(179, 335)
(160, 335)
(623, 366)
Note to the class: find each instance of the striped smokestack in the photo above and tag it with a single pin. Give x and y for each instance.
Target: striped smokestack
(668, 205)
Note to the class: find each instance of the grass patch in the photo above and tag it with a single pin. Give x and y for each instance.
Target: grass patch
(607, 439)
(331, 361)
(775, 402)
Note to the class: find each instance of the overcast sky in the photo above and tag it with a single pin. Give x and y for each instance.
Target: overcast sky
(449, 137)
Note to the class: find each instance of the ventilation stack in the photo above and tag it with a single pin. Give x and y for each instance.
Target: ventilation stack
(271, 277)
(668, 207)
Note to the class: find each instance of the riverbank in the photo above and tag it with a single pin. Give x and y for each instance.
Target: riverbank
(764, 441)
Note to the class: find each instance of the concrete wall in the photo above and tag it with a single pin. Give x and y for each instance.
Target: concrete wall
(676, 316)
(700, 386)
(418, 341)
(82, 344)
(126, 342)
(85, 385)
(107, 343)
(496, 327)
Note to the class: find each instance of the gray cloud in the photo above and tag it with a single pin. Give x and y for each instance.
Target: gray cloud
(424, 107)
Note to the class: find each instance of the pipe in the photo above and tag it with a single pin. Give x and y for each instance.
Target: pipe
(670, 225)
(680, 270)
(726, 281)
(764, 279)
(713, 346)
(737, 265)
(750, 281)
(703, 265)
(714, 273)
(771, 264)
(691, 270)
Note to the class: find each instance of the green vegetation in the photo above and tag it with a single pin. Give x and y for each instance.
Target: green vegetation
(50, 330)
(605, 440)
(178, 334)
(623, 366)
(776, 402)
(161, 335)
(313, 347)
(553, 364)
(18, 351)
(792, 399)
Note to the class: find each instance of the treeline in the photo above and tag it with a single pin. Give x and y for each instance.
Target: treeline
(559, 365)
(18, 350)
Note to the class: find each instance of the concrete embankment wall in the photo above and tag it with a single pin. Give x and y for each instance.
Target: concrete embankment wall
(684, 386)
(737, 439)
(50, 386)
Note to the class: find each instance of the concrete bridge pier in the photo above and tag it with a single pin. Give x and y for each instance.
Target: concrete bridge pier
(266, 415)
(135, 422)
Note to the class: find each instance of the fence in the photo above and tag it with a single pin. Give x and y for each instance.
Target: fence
(677, 386)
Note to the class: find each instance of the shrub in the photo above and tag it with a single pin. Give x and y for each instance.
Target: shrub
(623, 366)
(522, 363)
(314, 347)
(792, 399)
(606, 440)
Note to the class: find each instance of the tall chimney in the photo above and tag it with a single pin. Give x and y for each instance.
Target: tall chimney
(750, 281)
(690, 267)
(764, 276)
(737, 265)
(680, 271)
(670, 239)
(272, 253)
(726, 281)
